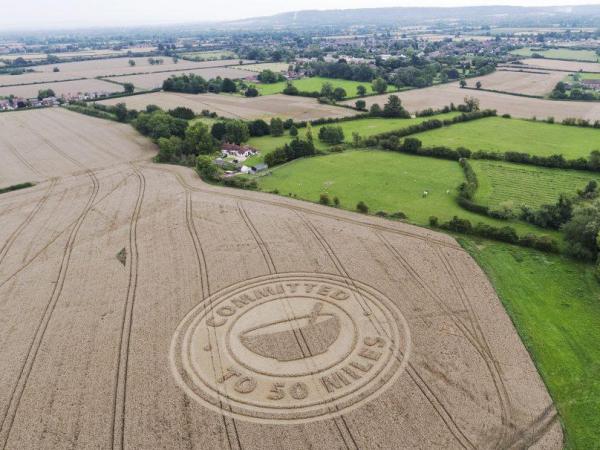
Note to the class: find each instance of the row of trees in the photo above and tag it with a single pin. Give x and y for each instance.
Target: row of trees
(195, 84)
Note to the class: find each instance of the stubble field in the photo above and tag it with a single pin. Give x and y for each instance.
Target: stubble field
(527, 83)
(145, 309)
(155, 80)
(524, 107)
(234, 106)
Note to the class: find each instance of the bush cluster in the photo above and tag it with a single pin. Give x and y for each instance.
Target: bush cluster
(503, 234)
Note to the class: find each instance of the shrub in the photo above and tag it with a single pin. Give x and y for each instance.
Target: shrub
(324, 199)
(433, 221)
(362, 207)
(336, 201)
(251, 92)
(399, 215)
(381, 214)
(182, 112)
(331, 135)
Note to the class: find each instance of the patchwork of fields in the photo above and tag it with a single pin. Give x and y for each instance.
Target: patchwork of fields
(113, 280)
(149, 76)
(62, 88)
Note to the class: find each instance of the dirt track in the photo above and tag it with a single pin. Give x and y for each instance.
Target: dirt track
(234, 319)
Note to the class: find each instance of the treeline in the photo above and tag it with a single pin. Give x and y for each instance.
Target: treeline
(391, 139)
(195, 84)
(504, 234)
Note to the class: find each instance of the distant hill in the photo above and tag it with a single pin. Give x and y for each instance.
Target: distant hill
(497, 15)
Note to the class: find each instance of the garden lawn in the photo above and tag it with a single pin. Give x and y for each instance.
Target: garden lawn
(311, 84)
(522, 184)
(500, 135)
(554, 303)
(364, 127)
(385, 181)
(560, 53)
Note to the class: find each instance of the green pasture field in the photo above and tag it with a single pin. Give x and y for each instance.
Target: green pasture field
(560, 53)
(364, 127)
(521, 184)
(554, 303)
(498, 134)
(315, 83)
(385, 181)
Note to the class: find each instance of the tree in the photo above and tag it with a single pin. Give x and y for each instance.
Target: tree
(121, 112)
(268, 76)
(393, 108)
(327, 90)
(258, 128)
(169, 149)
(478, 85)
(375, 110)
(181, 112)
(206, 168)
(463, 83)
(582, 230)
(175, 59)
(309, 135)
(356, 140)
(472, 103)
(228, 85)
(331, 135)
(45, 93)
(56, 69)
(236, 131)
(360, 104)
(132, 62)
(293, 131)
(361, 90)
(251, 92)
(198, 139)
(379, 85)
(276, 127)
(218, 130)
(290, 89)
(339, 93)
(128, 88)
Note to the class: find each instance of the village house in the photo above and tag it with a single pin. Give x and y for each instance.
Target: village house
(239, 152)
(591, 84)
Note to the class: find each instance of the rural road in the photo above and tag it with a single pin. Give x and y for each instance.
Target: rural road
(143, 308)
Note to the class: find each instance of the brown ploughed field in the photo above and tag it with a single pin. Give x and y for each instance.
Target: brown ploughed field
(144, 309)
(62, 88)
(236, 106)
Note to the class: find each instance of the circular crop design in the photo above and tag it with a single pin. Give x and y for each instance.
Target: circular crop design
(290, 348)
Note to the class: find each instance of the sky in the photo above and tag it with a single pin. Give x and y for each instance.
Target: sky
(31, 14)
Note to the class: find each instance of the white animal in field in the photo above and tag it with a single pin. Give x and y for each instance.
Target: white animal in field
(425, 194)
